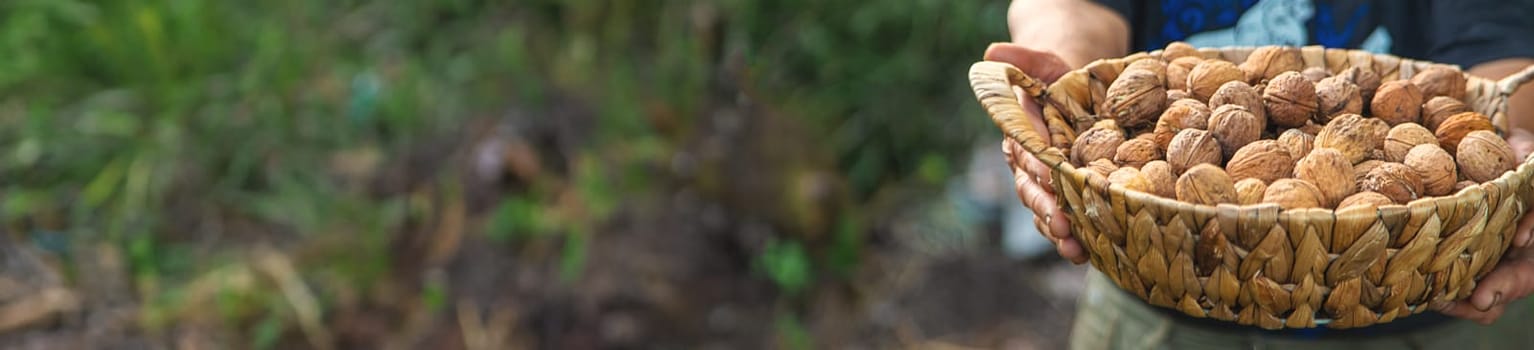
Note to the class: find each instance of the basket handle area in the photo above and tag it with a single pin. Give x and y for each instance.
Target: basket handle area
(1510, 83)
(993, 82)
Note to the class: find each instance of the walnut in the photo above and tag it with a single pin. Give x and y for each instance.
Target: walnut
(1137, 152)
(1440, 81)
(1266, 160)
(1181, 115)
(1130, 178)
(1457, 126)
(1177, 94)
(1177, 72)
(1366, 198)
(1337, 96)
(1403, 137)
(1238, 93)
(1155, 66)
(1178, 50)
(1294, 194)
(1434, 166)
(1206, 184)
(1330, 171)
(1159, 174)
(1483, 156)
(1099, 142)
(1234, 127)
(1291, 100)
(1315, 74)
(1394, 180)
(1353, 135)
(1102, 167)
(1311, 128)
(1363, 168)
(1192, 147)
(1209, 75)
(1250, 190)
(1268, 62)
(1368, 82)
(1397, 102)
(1440, 108)
(1298, 142)
(1135, 98)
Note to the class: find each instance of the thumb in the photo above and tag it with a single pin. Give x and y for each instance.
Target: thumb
(1041, 65)
(1510, 281)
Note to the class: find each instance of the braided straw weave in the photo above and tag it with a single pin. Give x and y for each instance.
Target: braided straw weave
(1257, 264)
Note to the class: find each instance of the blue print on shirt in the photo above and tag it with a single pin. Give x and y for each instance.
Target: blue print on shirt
(1186, 17)
(1328, 32)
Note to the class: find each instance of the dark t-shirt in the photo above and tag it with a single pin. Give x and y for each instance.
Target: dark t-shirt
(1464, 33)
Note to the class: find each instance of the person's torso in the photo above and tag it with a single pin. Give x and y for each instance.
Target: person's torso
(1377, 26)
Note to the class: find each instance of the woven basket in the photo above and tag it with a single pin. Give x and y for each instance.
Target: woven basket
(1261, 265)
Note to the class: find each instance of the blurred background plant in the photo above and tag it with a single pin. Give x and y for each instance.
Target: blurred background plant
(489, 174)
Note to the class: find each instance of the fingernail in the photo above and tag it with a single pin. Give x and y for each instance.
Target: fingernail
(1523, 239)
(1487, 306)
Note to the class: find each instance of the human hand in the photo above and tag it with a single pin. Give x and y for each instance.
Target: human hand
(1513, 278)
(1030, 174)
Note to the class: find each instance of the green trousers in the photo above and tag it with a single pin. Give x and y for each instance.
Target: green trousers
(1111, 318)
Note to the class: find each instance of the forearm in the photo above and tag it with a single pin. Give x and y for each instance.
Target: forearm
(1520, 110)
(1079, 31)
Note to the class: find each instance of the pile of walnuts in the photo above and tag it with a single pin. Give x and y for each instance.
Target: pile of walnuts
(1269, 130)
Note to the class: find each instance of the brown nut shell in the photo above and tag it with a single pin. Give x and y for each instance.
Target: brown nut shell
(1250, 191)
(1315, 74)
(1457, 126)
(1238, 93)
(1135, 98)
(1102, 167)
(1129, 178)
(1434, 166)
(1294, 194)
(1353, 135)
(1368, 82)
(1397, 102)
(1440, 108)
(1330, 171)
(1209, 75)
(1234, 127)
(1192, 147)
(1177, 72)
(1291, 100)
(1177, 49)
(1206, 184)
(1298, 142)
(1394, 180)
(1366, 198)
(1183, 114)
(1403, 137)
(1338, 96)
(1159, 174)
(1440, 81)
(1268, 62)
(1266, 160)
(1099, 142)
(1137, 152)
(1483, 156)
(1363, 168)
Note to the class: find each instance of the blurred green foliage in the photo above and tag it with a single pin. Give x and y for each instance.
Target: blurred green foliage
(138, 122)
